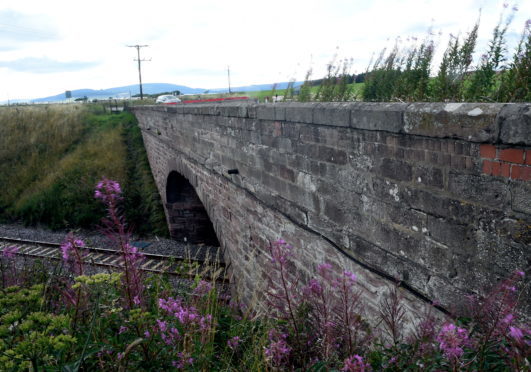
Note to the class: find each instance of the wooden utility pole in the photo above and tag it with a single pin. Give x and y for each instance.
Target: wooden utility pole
(228, 75)
(139, 66)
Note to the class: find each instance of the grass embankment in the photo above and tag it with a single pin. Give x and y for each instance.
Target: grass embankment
(52, 156)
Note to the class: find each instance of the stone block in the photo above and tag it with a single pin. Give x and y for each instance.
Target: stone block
(386, 117)
(395, 169)
(468, 121)
(335, 114)
(265, 112)
(300, 112)
(430, 176)
(521, 197)
(515, 123)
(485, 190)
(332, 155)
(280, 112)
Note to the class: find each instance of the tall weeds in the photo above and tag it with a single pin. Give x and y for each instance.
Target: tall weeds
(50, 156)
(406, 73)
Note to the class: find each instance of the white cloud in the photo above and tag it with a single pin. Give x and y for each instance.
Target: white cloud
(192, 42)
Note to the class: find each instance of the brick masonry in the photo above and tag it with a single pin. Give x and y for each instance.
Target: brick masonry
(436, 195)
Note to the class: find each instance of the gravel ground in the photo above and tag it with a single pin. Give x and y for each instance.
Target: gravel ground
(148, 245)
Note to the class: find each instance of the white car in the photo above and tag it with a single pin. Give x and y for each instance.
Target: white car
(167, 98)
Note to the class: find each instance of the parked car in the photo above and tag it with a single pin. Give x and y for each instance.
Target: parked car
(167, 98)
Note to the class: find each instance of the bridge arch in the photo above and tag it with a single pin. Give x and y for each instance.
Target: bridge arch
(187, 217)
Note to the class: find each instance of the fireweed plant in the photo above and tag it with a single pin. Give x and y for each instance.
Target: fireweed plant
(64, 318)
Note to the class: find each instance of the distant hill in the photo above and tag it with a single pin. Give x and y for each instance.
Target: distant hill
(149, 88)
(257, 87)
(121, 92)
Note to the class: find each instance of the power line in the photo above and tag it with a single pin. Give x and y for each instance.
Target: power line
(139, 65)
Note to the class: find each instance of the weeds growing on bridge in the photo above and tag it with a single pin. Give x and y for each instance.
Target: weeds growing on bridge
(69, 320)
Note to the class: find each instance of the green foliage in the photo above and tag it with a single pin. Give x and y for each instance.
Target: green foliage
(455, 67)
(482, 82)
(334, 86)
(305, 94)
(403, 74)
(515, 83)
(51, 157)
(142, 204)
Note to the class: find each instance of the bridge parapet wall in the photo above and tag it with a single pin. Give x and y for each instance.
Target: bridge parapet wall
(434, 194)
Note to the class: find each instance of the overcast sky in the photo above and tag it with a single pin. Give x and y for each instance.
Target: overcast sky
(47, 47)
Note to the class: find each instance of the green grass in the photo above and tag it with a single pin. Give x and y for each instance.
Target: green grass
(52, 156)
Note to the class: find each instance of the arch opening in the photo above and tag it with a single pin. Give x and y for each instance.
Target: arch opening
(188, 219)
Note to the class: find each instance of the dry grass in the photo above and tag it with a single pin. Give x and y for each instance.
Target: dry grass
(52, 156)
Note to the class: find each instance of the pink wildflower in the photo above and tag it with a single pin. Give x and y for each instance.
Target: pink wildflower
(280, 251)
(203, 288)
(350, 276)
(516, 333)
(163, 326)
(314, 287)
(234, 342)
(10, 252)
(451, 340)
(355, 364)
(107, 190)
(278, 350)
(72, 255)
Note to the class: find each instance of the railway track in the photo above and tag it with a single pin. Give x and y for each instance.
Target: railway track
(110, 259)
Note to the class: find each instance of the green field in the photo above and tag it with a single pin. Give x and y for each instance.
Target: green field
(52, 156)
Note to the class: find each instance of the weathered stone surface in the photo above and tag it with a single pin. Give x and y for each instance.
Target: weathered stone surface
(521, 197)
(515, 123)
(404, 191)
(265, 112)
(336, 114)
(387, 117)
(468, 121)
(299, 112)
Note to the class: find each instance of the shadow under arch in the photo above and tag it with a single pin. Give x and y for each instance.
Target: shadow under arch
(187, 217)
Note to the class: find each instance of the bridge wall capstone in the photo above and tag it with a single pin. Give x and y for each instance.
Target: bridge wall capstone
(436, 195)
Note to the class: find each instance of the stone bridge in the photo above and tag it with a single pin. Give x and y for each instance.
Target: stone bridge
(436, 195)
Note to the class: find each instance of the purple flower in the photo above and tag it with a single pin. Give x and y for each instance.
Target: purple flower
(122, 330)
(516, 333)
(163, 326)
(234, 342)
(108, 190)
(355, 364)
(278, 350)
(72, 255)
(280, 251)
(147, 334)
(203, 288)
(10, 252)
(314, 287)
(451, 340)
(508, 319)
(350, 276)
